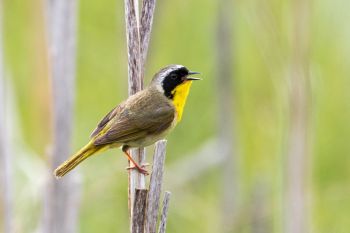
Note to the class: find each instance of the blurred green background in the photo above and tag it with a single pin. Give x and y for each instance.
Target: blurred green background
(184, 32)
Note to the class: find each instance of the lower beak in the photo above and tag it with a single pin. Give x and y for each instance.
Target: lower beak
(192, 79)
(192, 73)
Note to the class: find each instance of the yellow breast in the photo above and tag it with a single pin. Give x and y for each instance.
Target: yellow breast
(180, 94)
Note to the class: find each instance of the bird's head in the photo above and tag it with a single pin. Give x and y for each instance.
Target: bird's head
(171, 78)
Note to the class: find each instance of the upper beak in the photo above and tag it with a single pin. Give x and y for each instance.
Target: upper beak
(191, 73)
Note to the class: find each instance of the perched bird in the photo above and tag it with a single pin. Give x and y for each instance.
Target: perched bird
(141, 120)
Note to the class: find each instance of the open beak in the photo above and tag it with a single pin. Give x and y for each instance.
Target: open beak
(192, 78)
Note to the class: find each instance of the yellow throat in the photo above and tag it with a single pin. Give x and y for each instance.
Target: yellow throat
(180, 94)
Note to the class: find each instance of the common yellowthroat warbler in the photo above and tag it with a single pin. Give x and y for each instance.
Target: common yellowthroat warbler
(141, 120)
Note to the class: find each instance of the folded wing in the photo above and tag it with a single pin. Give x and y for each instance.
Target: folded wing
(134, 122)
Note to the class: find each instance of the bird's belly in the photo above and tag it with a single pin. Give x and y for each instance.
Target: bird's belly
(150, 139)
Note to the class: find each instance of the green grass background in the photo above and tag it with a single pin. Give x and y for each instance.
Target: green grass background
(184, 33)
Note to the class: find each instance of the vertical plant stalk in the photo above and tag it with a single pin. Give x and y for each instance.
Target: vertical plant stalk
(226, 126)
(136, 179)
(61, 203)
(133, 44)
(164, 215)
(155, 187)
(137, 52)
(296, 215)
(147, 13)
(138, 37)
(138, 217)
(5, 157)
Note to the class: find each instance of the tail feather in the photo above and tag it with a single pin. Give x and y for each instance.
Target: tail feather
(76, 159)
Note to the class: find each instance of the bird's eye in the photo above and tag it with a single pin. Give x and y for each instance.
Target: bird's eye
(173, 76)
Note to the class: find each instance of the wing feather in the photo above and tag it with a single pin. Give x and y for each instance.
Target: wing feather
(101, 125)
(135, 121)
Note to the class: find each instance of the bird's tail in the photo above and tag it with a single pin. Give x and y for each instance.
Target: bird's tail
(77, 158)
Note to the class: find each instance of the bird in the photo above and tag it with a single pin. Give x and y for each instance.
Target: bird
(141, 120)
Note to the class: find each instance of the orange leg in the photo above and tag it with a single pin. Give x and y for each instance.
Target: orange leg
(137, 166)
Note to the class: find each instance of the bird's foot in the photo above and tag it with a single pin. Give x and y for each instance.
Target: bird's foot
(140, 169)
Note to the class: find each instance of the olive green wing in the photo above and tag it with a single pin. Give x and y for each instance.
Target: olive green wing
(102, 124)
(135, 124)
